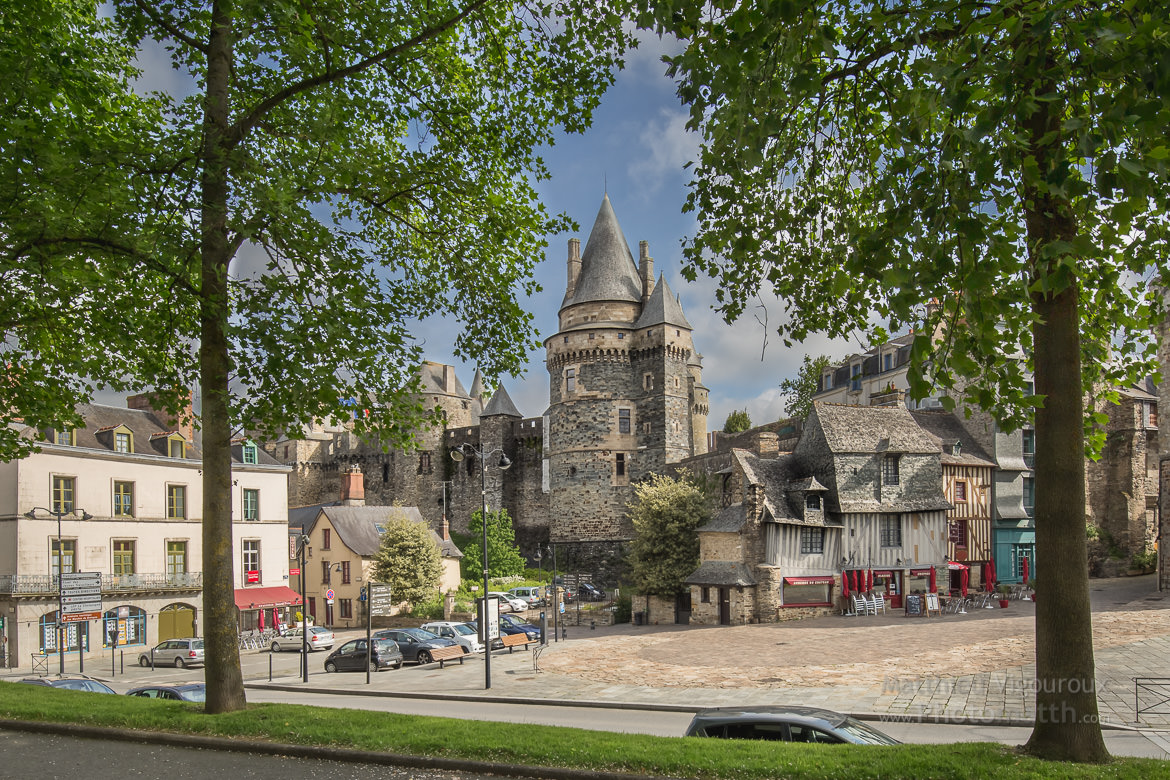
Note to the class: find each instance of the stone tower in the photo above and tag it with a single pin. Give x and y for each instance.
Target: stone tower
(625, 385)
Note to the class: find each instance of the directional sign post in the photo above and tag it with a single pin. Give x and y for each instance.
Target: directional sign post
(378, 602)
(81, 596)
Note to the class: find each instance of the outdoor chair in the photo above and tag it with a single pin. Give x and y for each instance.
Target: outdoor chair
(879, 603)
(870, 604)
(858, 604)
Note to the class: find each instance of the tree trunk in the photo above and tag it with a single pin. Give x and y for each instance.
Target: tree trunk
(225, 683)
(1067, 726)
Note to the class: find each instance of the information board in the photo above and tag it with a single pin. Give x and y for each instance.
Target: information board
(932, 604)
(914, 605)
(381, 602)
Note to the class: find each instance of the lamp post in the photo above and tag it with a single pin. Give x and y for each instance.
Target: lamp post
(80, 514)
(457, 455)
(304, 540)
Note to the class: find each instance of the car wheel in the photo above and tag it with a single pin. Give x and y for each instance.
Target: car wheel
(330, 667)
(276, 647)
(373, 666)
(179, 663)
(143, 661)
(398, 665)
(466, 649)
(423, 657)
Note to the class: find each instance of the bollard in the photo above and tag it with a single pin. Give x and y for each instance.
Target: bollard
(270, 666)
(592, 625)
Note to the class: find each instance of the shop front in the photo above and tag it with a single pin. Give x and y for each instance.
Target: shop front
(266, 608)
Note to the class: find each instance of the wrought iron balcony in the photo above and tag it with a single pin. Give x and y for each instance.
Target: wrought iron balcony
(46, 584)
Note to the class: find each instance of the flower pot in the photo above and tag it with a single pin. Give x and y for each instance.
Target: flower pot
(1003, 603)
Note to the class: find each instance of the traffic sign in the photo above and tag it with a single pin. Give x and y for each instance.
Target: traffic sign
(329, 594)
(381, 600)
(72, 600)
(89, 578)
(80, 617)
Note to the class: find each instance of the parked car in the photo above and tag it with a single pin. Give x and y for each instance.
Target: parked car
(497, 643)
(188, 692)
(320, 638)
(590, 592)
(70, 684)
(513, 625)
(509, 603)
(531, 596)
(787, 724)
(174, 652)
(461, 633)
(352, 656)
(415, 643)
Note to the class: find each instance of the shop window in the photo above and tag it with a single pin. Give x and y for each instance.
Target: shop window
(805, 595)
(131, 628)
(75, 634)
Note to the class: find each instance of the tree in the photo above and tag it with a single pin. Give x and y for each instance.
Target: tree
(799, 392)
(667, 513)
(1007, 158)
(337, 172)
(504, 559)
(408, 559)
(737, 422)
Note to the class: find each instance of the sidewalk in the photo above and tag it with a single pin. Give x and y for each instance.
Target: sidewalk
(955, 668)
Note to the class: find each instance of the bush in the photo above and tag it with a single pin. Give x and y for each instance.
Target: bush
(623, 609)
(431, 609)
(1146, 559)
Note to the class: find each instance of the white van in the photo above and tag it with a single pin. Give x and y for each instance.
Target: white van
(529, 595)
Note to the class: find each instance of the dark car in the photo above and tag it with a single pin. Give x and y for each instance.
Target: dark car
(71, 684)
(787, 724)
(510, 624)
(352, 656)
(196, 692)
(591, 593)
(414, 643)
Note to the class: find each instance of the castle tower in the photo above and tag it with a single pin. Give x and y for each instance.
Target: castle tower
(623, 382)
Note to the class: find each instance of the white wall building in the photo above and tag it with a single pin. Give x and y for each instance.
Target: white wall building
(123, 497)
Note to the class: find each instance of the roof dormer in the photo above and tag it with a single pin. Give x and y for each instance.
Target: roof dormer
(170, 443)
(117, 438)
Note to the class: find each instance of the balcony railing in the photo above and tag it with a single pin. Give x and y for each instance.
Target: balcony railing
(46, 584)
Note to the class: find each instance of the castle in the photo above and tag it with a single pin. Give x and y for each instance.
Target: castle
(626, 398)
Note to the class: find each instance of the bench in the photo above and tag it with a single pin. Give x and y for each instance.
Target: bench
(512, 641)
(445, 654)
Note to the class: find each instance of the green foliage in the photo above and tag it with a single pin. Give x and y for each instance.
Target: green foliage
(737, 422)
(408, 559)
(504, 559)
(1146, 559)
(799, 391)
(429, 608)
(623, 608)
(666, 513)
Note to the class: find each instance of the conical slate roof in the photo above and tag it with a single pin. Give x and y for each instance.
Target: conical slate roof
(477, 385)
(662, 308)
(608, 272)
(501, 404)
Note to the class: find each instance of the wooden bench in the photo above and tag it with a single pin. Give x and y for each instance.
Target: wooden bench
(512, 641)
(445, 654)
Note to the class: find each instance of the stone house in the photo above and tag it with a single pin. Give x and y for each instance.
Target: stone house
(343, 539)
(861, 490)
(127, 488)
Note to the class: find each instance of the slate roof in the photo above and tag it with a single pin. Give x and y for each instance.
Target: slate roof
(356, 526)
(432, 375)
(807, 484)
(301, 518)
(947, 429)
(729, 520)
(721, 573)
(858, 429)
(662, 308)
(501, 404)
(607, 271)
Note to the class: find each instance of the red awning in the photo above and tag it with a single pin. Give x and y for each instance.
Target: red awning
(808, 580)
(882, 573)
(920, 572)
(956, 566)
(261, 598)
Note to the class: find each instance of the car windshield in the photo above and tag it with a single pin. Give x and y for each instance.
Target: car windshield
(464, 629)
(418, 634)
(865, 734)
(194, 694)
(197, 644)
(318, 630)
(384, 644)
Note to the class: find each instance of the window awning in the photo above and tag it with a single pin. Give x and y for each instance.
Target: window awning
(920, 572)
(262, 598)
(808, 580)
(956, 566)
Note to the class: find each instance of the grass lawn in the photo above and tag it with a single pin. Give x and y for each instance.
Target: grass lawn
(550, 745)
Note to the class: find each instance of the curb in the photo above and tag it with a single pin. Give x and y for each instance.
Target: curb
(347, 755)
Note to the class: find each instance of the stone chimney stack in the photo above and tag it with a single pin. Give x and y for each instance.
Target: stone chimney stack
(353, 487)
(184, 423)
(646, 269)
(574, 265)
(448, 379)
(446, 534)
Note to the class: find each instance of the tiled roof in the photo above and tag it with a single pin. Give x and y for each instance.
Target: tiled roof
(662, 308)
(607, 271)
(356, 526)
(721, 573)
(865, 429)
(948, 430)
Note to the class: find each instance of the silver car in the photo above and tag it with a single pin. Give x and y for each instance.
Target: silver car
(462, 633)
(319, 639)
(175, 652)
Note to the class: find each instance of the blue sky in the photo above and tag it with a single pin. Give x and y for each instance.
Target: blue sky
(636, 150)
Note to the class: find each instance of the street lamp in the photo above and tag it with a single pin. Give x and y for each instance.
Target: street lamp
(80, 514)
(457, 455)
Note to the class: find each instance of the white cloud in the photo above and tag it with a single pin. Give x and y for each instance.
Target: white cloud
(665, 147)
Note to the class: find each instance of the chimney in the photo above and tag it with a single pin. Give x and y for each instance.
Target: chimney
(184, 423)
(574, 265)
(449, 379)
(353, 487)
(646, 269)
(446, 529)
(767, 444)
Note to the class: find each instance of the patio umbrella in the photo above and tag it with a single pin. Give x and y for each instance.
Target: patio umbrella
(869, 580)
(963, 581)
(933, 583)
(853, 581)
(1024, 569)
(261, 618)
(845, 584)
(991, 575)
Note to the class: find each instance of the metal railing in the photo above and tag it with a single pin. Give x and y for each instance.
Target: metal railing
(1156, 689)
(46, 584)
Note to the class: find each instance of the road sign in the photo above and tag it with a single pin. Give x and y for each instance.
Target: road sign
(294, 572)
(80, 617)
(90, 578)
(381, 600)
(67, 601)
(329, 594)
